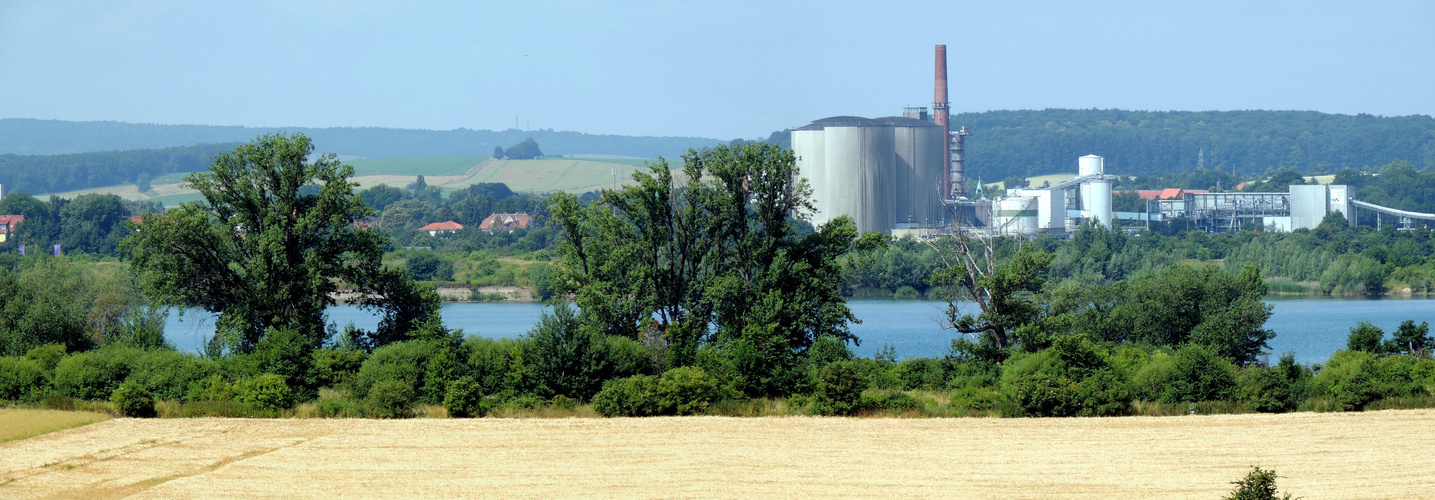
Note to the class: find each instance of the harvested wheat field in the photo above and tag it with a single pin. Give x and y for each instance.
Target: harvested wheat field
(1385, 454)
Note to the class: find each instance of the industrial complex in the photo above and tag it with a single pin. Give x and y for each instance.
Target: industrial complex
(906, 175)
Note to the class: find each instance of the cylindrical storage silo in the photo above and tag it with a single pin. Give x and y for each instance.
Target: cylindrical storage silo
(1015, 215)
(1090, 165)
(879, 169)
(919, 146)
(808, 148)
(859, 176)
(1099, 201)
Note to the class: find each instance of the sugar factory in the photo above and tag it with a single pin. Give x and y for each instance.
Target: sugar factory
(906, 176)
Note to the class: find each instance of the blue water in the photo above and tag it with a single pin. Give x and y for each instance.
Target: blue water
(1312, 328)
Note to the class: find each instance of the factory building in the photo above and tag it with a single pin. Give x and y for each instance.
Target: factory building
(905, 175)
(881, 172)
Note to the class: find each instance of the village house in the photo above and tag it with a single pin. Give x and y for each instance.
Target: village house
(507, 222)
(446, 227)
(7, 225)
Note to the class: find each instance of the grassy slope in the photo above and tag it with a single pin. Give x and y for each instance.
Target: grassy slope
(548, 174)
(551, 174)
(440, 165)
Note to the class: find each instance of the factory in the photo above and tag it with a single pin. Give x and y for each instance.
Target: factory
(906, 175)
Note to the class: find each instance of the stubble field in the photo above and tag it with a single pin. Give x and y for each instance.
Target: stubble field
(1383, 454)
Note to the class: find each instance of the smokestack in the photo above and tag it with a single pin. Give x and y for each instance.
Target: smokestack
(941, 111)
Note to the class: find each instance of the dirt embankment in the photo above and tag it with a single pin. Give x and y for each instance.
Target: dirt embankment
(1347, 455)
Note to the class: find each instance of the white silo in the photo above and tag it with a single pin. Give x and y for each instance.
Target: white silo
(1090, 165)
(808, 148)
(1015, 214)
(1095, 193)
(859, 179)
(918, 170)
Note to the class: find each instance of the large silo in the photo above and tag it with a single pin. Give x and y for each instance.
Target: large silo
(860, 170)
(1095, 194)
(918, 169)
(1015, 214)
(808, 147)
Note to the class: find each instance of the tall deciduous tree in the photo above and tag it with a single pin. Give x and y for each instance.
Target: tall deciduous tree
(715, 260)
(264, 254)
(1003, 289)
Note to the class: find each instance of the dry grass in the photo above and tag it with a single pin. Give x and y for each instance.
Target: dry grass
(1319, 455)
(17, 423)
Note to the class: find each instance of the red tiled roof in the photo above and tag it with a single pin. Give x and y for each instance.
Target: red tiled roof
(8, 222)
(506, 221)
(442, 226)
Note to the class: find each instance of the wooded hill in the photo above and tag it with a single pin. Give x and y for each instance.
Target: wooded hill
(34, 137)
(1036, 142)
(67, 172)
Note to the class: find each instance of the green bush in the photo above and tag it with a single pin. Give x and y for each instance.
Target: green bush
(463, 399)
(290, 354)
(267, 392)
(21, 379)
(687, 390)
(439, 371)
(213, 388)
(488, 360)
(406, 362)
(976, 399)
(94, 375)
(336, 367)
(337, 408)
(889, 401)
(132, 400)
(563, 402)
(47, 356)
(1267, 389)
(1071, 378)
(839, 389)
(924, 373)
(1346, 379)
(1192, 374)
(1258, 485)
(390, 398)
(169, 374)
(635, 396)
(1200, 375)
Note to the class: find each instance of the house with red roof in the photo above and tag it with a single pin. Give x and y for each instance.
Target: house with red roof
(7, 225)
(446, 227)
(506, 222)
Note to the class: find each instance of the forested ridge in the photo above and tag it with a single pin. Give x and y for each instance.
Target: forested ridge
(1035, 142)
(30, 136)
(1153, 142)
(68, 172)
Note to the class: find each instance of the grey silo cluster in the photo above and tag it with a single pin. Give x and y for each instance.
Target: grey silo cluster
(881, 172)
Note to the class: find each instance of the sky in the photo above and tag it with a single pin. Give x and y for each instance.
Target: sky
(721, 69)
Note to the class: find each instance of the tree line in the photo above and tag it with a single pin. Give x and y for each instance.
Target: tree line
(710, 296)
(70, 172)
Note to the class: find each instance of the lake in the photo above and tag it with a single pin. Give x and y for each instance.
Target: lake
(1312, 328)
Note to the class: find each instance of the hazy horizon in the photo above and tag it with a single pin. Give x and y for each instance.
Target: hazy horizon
(720, 71)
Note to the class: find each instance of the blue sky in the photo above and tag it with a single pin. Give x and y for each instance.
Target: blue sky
(712, 69)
